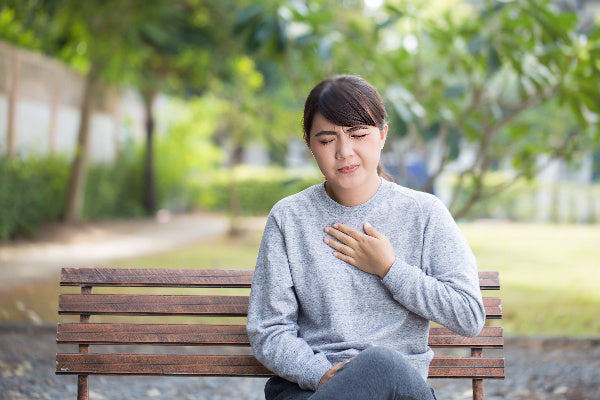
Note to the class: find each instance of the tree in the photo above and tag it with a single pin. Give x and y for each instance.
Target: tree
(163, 47)
(460, 79)
(183, 48)
(484, 79)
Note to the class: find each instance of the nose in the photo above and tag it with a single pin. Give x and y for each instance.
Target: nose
(344, 148)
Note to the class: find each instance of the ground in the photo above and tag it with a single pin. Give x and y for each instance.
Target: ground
(536, 368)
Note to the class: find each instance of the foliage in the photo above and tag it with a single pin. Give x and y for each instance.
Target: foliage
(532, 201)
(115, 190)
(32, 191)
(258, 188)
(475, 84)
(505, 83)
(469, 85)
(185, 150)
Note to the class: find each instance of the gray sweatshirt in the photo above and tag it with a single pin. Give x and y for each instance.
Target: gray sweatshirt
(310, 310)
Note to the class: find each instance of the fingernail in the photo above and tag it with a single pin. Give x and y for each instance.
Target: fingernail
(367, 225)
(336, 225)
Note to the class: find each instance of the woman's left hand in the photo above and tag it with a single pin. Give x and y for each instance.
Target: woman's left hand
(371, 251)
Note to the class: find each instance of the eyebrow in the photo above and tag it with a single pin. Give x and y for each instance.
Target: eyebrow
(349, 130)
(325, 133)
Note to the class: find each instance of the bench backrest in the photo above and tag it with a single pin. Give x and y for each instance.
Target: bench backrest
(201, 332)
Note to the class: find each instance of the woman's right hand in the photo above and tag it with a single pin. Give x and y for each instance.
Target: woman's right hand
(331, 372)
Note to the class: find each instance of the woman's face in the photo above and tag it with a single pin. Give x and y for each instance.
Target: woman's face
(347, 155)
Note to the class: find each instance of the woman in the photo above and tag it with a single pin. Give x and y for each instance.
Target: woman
(350, 272)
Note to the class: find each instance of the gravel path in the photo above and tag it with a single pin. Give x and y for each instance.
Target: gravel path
(537, 368)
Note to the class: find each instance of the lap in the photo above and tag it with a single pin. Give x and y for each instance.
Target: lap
(375, 373)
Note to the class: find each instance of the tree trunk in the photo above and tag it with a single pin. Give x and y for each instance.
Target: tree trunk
(149, 179)
(55, 99)
(75, 194)
(235, 204)
(13, 90)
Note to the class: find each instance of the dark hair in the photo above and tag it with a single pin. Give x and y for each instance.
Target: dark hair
(345, 100)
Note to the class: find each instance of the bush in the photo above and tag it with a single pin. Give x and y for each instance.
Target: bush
(115, 190)
(258, 189)
(32, 191)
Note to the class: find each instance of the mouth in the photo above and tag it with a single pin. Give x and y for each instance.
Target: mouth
(348, 169)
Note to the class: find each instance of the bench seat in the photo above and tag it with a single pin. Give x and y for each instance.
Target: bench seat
(230, 354)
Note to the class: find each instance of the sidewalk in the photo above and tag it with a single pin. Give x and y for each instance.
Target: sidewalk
(95, 244)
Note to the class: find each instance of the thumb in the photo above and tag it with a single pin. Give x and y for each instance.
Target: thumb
(369, 230)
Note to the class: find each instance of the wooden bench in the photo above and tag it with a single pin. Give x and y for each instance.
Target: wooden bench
(225, 357)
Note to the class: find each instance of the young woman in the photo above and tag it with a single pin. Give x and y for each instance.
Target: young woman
(350, 272)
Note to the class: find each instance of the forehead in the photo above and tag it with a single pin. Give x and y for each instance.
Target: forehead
(320, 123)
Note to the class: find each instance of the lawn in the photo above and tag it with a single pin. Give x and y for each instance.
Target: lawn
(549, 274)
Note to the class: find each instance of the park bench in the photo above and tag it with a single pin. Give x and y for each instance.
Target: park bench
(227, 351)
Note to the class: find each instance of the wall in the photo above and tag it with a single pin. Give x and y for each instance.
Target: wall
(47, 95)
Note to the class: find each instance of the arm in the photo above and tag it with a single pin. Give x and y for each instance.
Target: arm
(272, 316)
(444, 288)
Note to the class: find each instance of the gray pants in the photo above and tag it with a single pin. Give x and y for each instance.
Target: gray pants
(376, 373)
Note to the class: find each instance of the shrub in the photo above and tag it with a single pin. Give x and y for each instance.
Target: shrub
(258, 189)
(32, 190)
(115, 190)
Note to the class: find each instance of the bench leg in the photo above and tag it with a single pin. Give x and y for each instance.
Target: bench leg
(477, 383)
(82, 387)
(478, 389)
(82, 380)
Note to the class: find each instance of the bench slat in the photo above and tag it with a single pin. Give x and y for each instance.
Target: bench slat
(159, 364)
(489, 338)
(130, 304)
(199, 365)
(125, 304)
(466, 367)
(156, 334)
(232, 335)
(488, 280)
(156, 277)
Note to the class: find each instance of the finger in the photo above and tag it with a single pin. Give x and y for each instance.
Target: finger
(353, 233)
(346, 258)
(339, 235)
(339, 246)
(371, 231)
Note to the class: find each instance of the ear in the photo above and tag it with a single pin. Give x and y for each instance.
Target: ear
(383, 132)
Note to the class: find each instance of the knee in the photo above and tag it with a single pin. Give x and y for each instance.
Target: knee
(389, 364)
(384, 360)
(389, 368)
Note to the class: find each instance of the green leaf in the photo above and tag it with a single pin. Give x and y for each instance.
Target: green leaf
(247, 18)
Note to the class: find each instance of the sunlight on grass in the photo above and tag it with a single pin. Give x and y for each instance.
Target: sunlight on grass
(549, 274)
(238, 253)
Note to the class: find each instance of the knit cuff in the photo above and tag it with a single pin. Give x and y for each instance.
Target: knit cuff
(312, 374)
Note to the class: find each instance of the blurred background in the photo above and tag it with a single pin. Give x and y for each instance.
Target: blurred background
(160, 134)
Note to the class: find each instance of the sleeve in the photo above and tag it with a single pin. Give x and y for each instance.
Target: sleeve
(272, 316)
(445, 288)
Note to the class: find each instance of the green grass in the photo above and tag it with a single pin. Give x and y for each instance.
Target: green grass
(549, 274)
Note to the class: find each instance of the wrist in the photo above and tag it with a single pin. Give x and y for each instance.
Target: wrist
(386, 269)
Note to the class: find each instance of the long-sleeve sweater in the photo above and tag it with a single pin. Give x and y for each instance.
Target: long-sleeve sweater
(310, 310)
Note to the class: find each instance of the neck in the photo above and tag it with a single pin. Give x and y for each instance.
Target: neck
(355, 196)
